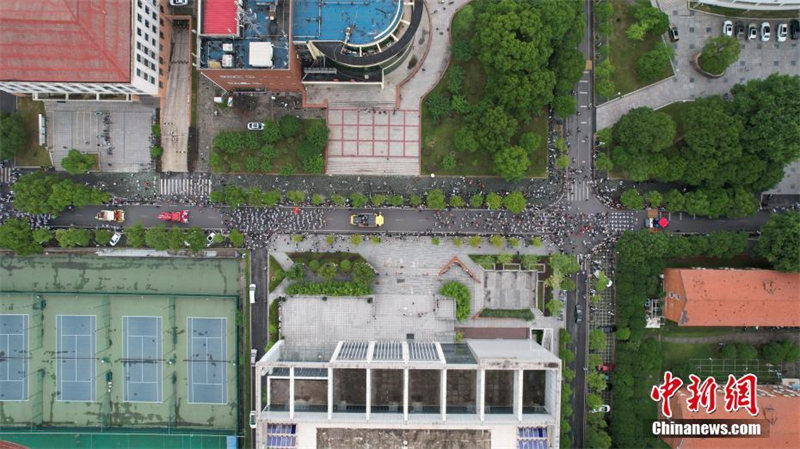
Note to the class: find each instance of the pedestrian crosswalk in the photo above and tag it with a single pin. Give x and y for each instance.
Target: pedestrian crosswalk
(185, 185)
(578, 191)
(5, 175)
(620, 221)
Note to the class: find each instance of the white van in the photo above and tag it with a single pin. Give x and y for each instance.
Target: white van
(252, 293)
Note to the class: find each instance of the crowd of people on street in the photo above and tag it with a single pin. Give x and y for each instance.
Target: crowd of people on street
(258, 224)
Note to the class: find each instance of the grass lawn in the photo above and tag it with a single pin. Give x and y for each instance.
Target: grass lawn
(274, 277)
(671, 329)
(733, 12)
(625, 52)
(437, 138)
(675, 355)
(32, 154)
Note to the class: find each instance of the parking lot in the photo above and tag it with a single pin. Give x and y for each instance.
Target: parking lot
(118, 132)
(757, 60)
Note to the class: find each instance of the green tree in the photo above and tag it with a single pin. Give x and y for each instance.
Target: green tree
(396, 200)
(593, 401)
(511, 163)
(530, 141)
(102, 236)
(639, 135)
(237, 238)
(596, 380)
(631, 199)
(448, 162)
(459, 104)
(460, 293)
(135, 236)
(603, 11)
(72, 237)
(746, 351)
(296, 197)
(497, 240)
(435, 199)
(474, 241)
(728, 351)
(780, 240)
(314, 164)
(515, 202)
(719, 53)
(39, 193)
(562, 162)
(437, 105)
(463, 22)
(272, 131)
(773, 352)
(529, 261)
(623, 333)
(464, 140)
(564, 105)
(493, 128)
(356, 239)
(317, 199)
(42, 235)
(16, 235)
(328, 271)
(176, 239)
(455, 79)
(675, 201)
(338, 200)
(597, 438)
(156, 151)
(196, 238)
(456, 201)
(363, 274)
(317, 134)
(654, 64)
(603, 162)
(157, 238)
(289, 125)
(12, 135)
(654, 198)
(494, 201)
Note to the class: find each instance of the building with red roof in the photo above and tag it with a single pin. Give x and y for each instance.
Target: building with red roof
(703, 297)
(778, 406)
(63, 47)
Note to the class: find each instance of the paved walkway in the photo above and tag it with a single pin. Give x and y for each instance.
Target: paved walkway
(757, 60)
(176, 114)
(756, 337)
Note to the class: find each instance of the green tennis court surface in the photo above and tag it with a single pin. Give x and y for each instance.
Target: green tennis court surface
(114, 440)
(115, 343)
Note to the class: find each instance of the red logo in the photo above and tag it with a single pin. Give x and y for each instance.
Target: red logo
(741, 393)
(665, 391)
(703, 394)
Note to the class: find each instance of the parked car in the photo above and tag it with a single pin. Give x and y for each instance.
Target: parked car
(605, 408)
(752, 32)
(253, 356)
(739, 30)
(606, 368)
(255, 126)
(727, 28)
(115, 239)
(782, 32)
(765, 30)
(178, 2)
(578, 313)
(252, 293)
(210, 238)
(253, 419)
(794, 29)
(673, 33)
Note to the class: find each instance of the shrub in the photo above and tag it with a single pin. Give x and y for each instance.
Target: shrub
(102, 236)
(328, 271)
(314, 164)
(414, 200)
(494, 201)
(296, 197)
(378, 200)
(435, 240)
(437, 105)
(396, 200)
(345, 265)
(156, 152)
(328, 288)
(272, 131)
(313, 265)
(631, 199)
(330, 240)
(317, 134)
(356, 239)
(363, 274)
(474, 241)
(460, 293)
(515, 202)
(317, 199)
(476, 201)
(338, 200)
(718, 54)
(375, 239)
(435, 199)
(456, 201)
(448, 162)
(513, 242)
(357, 199)
(497, 241)
(236, 238)
(289, 125)
(296, 272)
(522, 314)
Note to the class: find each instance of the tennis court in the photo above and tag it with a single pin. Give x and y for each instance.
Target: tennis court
(142, 359)
(104, 342)
(76, 350)
(207, 360)
(13, 357)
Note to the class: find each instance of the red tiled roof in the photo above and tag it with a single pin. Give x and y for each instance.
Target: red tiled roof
(65, 40)
(781, 410)
(703, 297)
(219, 17)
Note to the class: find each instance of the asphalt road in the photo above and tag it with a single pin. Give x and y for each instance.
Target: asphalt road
(259, 323)
(204, 217)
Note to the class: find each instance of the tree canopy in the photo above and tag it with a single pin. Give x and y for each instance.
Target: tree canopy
(12, 135)
(780, 241)
(719, 53)
(76, 162)
(39, 193)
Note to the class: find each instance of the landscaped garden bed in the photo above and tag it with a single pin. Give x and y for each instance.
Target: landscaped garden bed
(329, 274)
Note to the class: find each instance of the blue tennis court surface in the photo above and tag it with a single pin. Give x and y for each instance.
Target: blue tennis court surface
(13, 357)
(142, 358)
(327, 20)
(76, 349)
(207, 362)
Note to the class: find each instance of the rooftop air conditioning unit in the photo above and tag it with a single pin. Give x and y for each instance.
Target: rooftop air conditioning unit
(227, 60)
(227, 48)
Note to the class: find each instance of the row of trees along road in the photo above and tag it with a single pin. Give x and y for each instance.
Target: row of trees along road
(736, 146)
